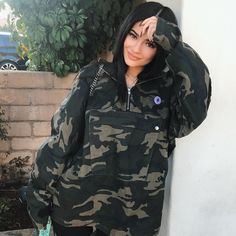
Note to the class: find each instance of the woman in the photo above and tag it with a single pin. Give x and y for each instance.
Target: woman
(105, 164)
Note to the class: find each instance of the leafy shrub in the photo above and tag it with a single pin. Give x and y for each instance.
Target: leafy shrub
(15, 172)
(64, 35)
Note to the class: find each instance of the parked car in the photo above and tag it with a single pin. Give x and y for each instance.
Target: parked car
(9, 58)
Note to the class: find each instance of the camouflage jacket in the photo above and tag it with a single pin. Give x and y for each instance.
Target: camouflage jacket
(105, 163)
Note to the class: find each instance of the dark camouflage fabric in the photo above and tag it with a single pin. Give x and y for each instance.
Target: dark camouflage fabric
(105, 166)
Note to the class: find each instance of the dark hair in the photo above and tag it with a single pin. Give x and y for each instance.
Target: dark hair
(140, 13)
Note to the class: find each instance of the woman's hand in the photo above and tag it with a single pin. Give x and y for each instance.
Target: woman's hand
(149, 27)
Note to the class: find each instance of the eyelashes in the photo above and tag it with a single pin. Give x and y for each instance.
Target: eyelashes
(150, 44)
(132, 35)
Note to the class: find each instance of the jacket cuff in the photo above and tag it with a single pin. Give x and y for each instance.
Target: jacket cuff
(167, 34)
(38, 206)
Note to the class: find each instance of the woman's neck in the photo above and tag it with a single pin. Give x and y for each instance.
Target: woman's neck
(133, 71)
(131, 76)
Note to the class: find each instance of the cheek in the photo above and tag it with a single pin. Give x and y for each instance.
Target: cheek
(125, 45)
(127, 42)
(150, 54)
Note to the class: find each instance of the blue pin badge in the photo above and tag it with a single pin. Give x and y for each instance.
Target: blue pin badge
(157, 100)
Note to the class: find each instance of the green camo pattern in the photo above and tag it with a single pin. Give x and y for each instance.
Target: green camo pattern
(104, 166)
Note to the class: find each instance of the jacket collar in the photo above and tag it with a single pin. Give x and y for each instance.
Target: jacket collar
(109, 69)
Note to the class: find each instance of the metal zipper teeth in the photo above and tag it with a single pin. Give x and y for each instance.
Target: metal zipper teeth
(129, 89)
(128, 99)
(96, 79)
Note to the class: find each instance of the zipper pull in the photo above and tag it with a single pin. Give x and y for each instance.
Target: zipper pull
(128, 99)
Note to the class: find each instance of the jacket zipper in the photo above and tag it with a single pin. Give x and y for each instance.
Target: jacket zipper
(129, 89)
(129, 92)
(128, 99)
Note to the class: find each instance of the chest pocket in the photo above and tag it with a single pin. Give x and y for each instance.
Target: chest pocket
(122, 143)
(155, 101)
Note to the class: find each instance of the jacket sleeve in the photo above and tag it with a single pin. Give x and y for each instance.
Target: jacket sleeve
(66, 132)
(191, 91)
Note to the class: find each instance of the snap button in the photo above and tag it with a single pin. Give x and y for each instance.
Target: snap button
(156, 128)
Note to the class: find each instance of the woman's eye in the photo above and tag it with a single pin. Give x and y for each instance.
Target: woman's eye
(151, 44)
(132, 35)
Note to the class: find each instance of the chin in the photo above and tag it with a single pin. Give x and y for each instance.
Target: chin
(132, 63)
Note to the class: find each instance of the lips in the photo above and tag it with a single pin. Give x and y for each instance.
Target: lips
(132, 57)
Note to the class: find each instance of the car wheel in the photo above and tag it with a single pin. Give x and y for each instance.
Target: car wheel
(8, 65)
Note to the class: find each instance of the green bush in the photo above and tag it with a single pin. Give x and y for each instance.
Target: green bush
(64, 35)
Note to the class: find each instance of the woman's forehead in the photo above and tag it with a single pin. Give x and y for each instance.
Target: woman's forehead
(137, 27)
(138, 24)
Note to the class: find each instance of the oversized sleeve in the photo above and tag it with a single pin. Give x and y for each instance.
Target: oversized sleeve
(67, 126)
(191, 90)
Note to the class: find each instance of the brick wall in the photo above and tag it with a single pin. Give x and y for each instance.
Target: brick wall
(29, 100)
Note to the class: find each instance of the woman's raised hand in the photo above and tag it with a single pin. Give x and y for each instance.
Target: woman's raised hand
(149, 26)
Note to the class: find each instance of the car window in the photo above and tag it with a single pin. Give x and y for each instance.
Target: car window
(5, 41)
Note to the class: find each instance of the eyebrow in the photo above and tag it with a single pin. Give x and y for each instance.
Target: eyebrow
(133, 31)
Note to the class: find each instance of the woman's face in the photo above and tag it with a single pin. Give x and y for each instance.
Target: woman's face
(138, 49)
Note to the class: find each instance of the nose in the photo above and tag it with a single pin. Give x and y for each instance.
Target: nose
(137, 47)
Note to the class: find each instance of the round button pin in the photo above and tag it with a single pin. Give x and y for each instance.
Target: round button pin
(157, 100)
